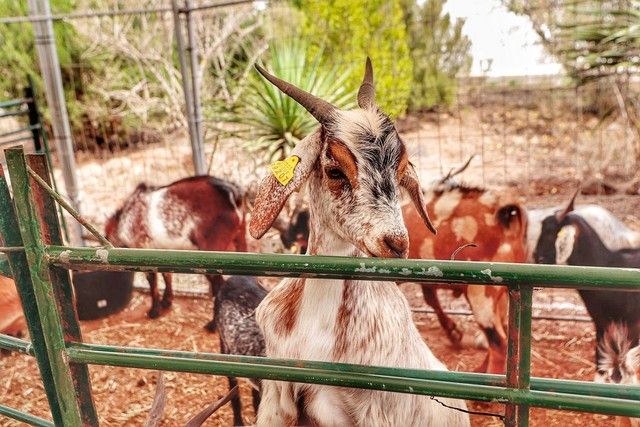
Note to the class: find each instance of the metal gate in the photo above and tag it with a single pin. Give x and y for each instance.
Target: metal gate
(39, 263)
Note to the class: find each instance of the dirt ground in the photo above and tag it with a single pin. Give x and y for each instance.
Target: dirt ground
(123, 396)
(508, 154)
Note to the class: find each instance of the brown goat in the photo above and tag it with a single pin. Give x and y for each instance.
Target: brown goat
(12, 320)
(201, 212)
(496, 222)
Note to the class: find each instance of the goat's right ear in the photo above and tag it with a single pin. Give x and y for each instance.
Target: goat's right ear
(272, 194)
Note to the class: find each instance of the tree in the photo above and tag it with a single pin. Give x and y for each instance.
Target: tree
(440, 52)
(346, 31)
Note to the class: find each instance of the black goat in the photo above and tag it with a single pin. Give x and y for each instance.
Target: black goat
(234, 316)
(567, 238)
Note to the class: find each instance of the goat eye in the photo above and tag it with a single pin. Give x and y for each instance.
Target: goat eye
(335, 173)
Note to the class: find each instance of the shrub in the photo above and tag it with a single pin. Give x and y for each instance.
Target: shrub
(440, 52)
(272, 122)
(346, 31)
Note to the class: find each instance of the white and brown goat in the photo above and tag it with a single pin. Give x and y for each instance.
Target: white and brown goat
(355, 165)
(200, 212)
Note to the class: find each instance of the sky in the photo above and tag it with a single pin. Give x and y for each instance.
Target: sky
(504, 37)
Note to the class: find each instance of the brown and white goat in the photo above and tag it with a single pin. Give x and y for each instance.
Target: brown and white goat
(200, 212)
(12, 320)
(355, 165)
(496, 222)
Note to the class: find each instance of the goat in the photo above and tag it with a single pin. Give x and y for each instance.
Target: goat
(200, 212)
(567, 238)
(614, 233)
(12, 321)
(496, 221)
(234, 315)
(355, 165)
(492, 218)
(620, 361)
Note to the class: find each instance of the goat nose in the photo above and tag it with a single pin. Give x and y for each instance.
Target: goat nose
(397, 245)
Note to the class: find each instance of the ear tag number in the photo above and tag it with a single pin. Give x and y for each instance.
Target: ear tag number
(283, 169)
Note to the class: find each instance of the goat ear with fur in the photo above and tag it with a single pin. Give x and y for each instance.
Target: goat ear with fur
(411, 183)
(565, 241)
(272, 195)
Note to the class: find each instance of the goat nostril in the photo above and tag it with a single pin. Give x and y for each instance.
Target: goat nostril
(397, 245)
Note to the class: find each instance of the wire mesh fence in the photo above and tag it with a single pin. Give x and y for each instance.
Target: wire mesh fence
(126, 100)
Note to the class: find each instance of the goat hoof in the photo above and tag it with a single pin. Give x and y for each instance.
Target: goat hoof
(166, 303)
(211, 326)
(153, 313)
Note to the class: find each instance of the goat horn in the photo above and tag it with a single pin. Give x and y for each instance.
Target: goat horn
(322, 110)
(570, 206)
(367, 93)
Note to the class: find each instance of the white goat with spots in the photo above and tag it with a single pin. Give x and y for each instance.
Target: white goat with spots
(355, 165)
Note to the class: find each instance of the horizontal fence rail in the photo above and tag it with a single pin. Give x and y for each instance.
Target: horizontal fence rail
(546, 393)
(405, 270)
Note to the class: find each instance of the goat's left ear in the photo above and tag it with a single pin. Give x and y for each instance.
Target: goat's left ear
(411, 183)
(272, 194)
(565, 241)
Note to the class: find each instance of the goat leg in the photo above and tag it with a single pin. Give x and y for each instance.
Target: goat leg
(235, 403)
(167, 298)
(451, 329)
(215, 282)
(152, 278)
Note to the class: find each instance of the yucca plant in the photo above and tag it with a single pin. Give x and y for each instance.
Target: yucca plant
(603, 40)
(272, 122)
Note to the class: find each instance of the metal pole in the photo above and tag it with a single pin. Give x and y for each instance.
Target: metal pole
(199, 163)
(186, 86)
(50, 68)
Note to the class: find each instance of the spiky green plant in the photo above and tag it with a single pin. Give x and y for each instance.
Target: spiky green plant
(272, 122)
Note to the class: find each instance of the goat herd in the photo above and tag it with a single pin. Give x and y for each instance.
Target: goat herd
(354, 166)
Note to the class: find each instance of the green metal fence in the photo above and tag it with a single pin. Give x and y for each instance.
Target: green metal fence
(40, 265)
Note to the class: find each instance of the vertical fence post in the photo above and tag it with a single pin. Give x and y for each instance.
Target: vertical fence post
(34, 117)
(55, 312)
(41, 144)
(519, 352)
(50, 68)
(197, 152)
(198, 155)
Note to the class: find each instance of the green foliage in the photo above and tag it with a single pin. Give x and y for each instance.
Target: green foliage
(592, 39)
(18, 55)
(440, 52)
(346, 31)
(273, 122)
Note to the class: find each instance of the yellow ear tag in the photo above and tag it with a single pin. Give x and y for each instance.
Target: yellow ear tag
(283, 169)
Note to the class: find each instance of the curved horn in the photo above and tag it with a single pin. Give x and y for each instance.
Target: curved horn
(320, 109)
(367, 93)
(570, 206)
